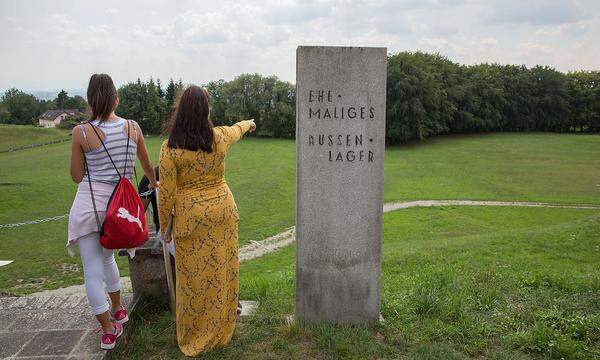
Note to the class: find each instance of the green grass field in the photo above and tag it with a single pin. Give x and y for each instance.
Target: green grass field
(477, 282)
(457, 282)
(36, 183)
(525, 167)
(12, 136)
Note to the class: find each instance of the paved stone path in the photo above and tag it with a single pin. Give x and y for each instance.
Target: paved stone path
(429, 203)
(56, 327)
(49, 327)
(30, 326)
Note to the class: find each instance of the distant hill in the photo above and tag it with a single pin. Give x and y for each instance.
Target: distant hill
(51, 94)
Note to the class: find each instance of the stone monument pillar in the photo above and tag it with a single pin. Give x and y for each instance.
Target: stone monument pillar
(340, 144)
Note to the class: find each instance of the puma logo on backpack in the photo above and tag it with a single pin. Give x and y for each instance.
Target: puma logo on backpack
(124, 213)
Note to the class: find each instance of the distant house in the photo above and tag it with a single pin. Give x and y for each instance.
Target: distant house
(52, 118)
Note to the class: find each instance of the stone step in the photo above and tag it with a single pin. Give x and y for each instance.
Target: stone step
(247, 308)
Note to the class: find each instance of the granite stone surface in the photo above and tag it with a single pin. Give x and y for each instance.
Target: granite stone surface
(340, 148)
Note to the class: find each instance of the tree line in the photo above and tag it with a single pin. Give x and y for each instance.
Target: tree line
(20, 108)
(427, 95)
(265, 98)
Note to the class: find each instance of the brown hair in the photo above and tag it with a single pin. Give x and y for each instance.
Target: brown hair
(190, 127)
(102, 96)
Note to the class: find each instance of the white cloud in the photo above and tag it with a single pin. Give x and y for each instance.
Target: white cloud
(201, 40)
(544, 49)
(536, 12)
(489, 41)
(292, 12)
(570, 29)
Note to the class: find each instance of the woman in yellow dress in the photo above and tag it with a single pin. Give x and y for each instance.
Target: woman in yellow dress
(194, 194)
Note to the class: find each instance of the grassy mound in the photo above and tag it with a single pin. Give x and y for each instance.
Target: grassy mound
(484, 282)
(261, 173)
(12, 136)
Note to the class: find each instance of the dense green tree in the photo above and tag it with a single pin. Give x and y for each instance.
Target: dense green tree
(71, 121)
(23, 108)
(584, 91)
(161, 93)
(485, 100)
(268, 100)
(428, 95)
(171, 93)
(140, 101)
(413, 99)
(218, 101)
(75, 102)
(131, 104)
(61, 99)
(551, 98)
(64, 101)
(4, 114)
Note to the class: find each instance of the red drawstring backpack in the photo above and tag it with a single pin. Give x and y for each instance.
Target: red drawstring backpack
(125, 224)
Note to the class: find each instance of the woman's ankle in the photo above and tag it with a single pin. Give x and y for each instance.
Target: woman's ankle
(108, 328)
(115, 300)
(105, 322)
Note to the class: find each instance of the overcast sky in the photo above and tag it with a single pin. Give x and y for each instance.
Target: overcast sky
(53, 44)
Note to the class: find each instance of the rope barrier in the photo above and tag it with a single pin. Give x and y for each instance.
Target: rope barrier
(146, 193)
(24, 147)
(51, 218)
(31, 222)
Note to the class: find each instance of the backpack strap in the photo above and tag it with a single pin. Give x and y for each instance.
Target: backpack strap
(87, 171)
(129, 123)
(127, 149)
(105, 149)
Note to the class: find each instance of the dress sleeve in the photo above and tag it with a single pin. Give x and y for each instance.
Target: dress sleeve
(234, 133)
(168, 185)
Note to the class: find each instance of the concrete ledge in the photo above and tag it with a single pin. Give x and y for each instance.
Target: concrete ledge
(248, 308)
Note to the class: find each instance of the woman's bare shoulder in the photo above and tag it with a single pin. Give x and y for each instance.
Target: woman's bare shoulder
(76, 133)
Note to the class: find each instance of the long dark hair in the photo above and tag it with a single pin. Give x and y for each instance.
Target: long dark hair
(102, 96)
(190, 127)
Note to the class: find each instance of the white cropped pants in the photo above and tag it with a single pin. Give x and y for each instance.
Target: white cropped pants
(99, 269)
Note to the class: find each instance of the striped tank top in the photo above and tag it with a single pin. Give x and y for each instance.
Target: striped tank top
(99, 165)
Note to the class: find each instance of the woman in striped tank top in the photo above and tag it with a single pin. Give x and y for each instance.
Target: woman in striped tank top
(99, 267)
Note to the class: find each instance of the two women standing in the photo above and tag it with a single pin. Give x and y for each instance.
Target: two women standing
(194, 198)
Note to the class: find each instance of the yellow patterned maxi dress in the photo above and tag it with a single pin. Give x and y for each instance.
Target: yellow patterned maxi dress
(205, 231)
